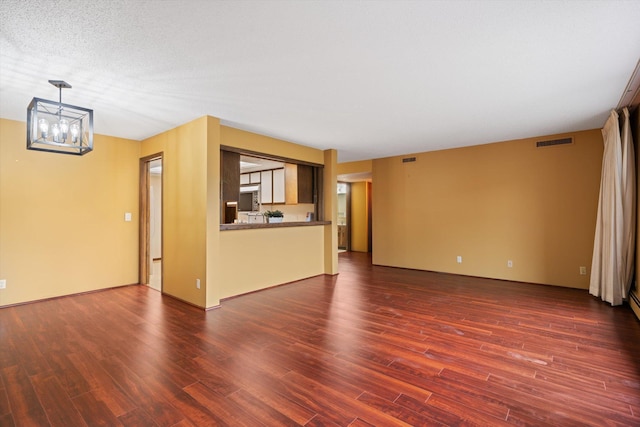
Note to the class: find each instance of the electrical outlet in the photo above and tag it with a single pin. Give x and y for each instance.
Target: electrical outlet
(509, 263)
(583, 271)
(459, 259)
(198, 283)
(3, 284)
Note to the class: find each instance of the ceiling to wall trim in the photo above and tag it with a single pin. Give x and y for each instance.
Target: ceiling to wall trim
(631, 95)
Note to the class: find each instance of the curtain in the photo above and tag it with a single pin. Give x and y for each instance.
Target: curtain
(614, 244)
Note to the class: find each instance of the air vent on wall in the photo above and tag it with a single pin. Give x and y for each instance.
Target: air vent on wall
(552, 142)
(408, 159)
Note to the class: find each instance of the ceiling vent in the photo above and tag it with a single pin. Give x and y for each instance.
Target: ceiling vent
(553, 142)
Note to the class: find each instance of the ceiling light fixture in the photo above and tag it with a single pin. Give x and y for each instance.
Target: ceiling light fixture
(57, 127)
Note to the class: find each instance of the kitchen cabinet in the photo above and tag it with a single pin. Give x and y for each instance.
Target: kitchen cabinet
(250, 178)
(266, 187)
(278, 186)
(291, 185)
(298, 184)
(342, 237)
(230, 164)
(272, 186)
(305, 184)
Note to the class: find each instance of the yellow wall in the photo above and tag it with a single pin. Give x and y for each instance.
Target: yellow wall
(184, 209)
(62, 227)
(232, 137)
(259, 258)
(330, 185)
(255, 259)
(213, 213)
(359, 217)
(361, 166)
(489, 204)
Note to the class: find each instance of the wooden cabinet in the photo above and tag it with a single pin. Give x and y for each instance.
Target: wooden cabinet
(250, 178)
(342, 237)
(298, 184)
(305, 184)
(266, 187)
(291, 185)
(230, 165)
(272, 186)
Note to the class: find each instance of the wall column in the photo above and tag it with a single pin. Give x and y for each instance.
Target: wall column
(330, 185)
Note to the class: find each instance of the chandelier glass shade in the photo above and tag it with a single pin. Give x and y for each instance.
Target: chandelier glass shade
(57, 127)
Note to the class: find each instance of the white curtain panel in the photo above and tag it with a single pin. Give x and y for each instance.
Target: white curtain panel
(613, 249)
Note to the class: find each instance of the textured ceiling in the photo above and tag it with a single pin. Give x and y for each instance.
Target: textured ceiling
(369, 78)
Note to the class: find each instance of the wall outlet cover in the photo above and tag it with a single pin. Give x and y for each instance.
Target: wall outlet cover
(3, 284)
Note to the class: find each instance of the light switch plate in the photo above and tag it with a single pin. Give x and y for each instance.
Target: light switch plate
(127, 216)
(3, 284)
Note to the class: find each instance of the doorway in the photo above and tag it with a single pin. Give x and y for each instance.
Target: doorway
(151, 221)
(344, 214)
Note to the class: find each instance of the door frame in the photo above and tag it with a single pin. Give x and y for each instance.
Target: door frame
(144, 238)
(347, 214)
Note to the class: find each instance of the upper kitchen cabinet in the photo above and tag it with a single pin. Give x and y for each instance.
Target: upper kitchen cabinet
(266, 186)
(279, 186)
(272, 186)
(298, 183)
(291, 185)
(230, 189)
(305, 184)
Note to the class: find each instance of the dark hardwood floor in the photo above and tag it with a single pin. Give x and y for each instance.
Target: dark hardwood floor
(373, 346)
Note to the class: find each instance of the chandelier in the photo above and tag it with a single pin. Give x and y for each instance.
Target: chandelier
(57, 127)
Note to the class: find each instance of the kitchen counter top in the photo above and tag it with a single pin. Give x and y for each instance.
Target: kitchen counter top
(246, 226)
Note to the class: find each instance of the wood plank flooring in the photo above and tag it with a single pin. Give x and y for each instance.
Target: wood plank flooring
(373, 346)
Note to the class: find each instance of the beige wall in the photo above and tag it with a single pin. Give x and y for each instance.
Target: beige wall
(330, 185)
(62, 227)
(254, 259)
(213, 288)
(361, 166)
(359, 217)
(62, 239)
(489, 204)
(184, 210)
(259, 258)
(232, 137)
